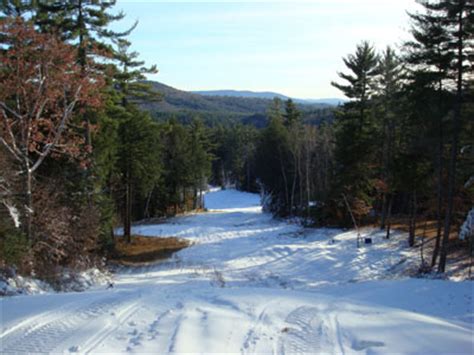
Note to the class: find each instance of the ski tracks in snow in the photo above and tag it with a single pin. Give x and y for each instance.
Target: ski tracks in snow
(51, 330)
(311, 330)
(248, 284)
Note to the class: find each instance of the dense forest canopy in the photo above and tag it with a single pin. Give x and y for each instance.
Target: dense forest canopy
(88, 144)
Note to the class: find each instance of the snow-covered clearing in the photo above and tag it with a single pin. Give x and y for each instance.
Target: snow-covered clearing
(251, 284)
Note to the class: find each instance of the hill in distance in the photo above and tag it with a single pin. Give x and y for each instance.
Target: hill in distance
(214, 109)
(269, 95)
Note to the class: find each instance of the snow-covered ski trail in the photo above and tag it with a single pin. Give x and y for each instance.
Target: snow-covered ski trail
(252, 284)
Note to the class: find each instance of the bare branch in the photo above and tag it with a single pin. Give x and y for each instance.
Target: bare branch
(47, 148)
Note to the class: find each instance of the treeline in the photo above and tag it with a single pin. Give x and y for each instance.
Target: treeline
(77, 155)
(402, 145)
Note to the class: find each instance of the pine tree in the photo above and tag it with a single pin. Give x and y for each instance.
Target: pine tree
(138, 160)
(200, 159)
(355, 131)
(295, 133)
(84, 24)
(273, 156)
(292, 114)
(127, 79)
(459, 19)
(429, 59)
(360, 86)
(129, 76)
(389, 82)
(177, 169)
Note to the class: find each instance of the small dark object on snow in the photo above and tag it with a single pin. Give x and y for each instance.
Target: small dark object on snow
(110, 285)
(368, 240)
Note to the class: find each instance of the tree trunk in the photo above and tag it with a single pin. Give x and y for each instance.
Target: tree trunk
(147, 204)
(385, 158)
(423, 264)
(201, 202)
(82, 59)
(293, 188)
(247, 170)
(300, 182)
(384, 211)
(439, 176)
(389, 216)
(454, 148)
(184, 205)
(285, 180)
(195, 198)
(127, 225)
(308, 187)
(29, 202)
(412, 223)
(439, 204)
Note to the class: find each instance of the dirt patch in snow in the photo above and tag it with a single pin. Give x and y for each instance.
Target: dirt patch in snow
(143, 249)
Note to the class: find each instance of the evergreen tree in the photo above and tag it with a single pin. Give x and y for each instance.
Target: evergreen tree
(84, 24)
(295, 134)
(429, 60)
(388, 99)
(129, 76)
(292, 114)
(459, 20)
(177, 168)
(200, 159)
(355, 130)
(138, 160)
(273, 155)
(360, 82)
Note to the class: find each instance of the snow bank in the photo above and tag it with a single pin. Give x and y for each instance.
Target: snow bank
(67, 282)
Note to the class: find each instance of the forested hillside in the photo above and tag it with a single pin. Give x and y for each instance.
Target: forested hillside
(89, 145)
(226, 110)
(271, 95)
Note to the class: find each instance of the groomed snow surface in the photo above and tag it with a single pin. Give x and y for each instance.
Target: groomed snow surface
(252, 284)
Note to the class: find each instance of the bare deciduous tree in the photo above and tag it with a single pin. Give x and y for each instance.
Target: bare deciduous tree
(40, 88)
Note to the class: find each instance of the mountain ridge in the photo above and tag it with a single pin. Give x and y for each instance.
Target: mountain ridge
(333, 101)
(215, 109)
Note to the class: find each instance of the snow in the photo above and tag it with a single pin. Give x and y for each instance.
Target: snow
(14, 214)
(467, 228)
(69, 281)
(252, 284)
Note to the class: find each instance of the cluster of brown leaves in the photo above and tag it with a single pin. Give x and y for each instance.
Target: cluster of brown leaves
(41, 88)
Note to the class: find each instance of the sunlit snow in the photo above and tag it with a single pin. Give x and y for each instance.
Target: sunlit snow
(252, 284)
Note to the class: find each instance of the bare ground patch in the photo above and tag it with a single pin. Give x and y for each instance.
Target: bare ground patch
(143, 249)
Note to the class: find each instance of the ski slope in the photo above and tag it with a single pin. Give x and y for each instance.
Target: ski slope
(252, 284)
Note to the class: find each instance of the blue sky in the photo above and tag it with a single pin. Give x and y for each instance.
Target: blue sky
(294, 48)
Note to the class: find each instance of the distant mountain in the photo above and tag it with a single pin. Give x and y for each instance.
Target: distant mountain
(224, 108)
(269, 95)
(326, 101)
(242, 93)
